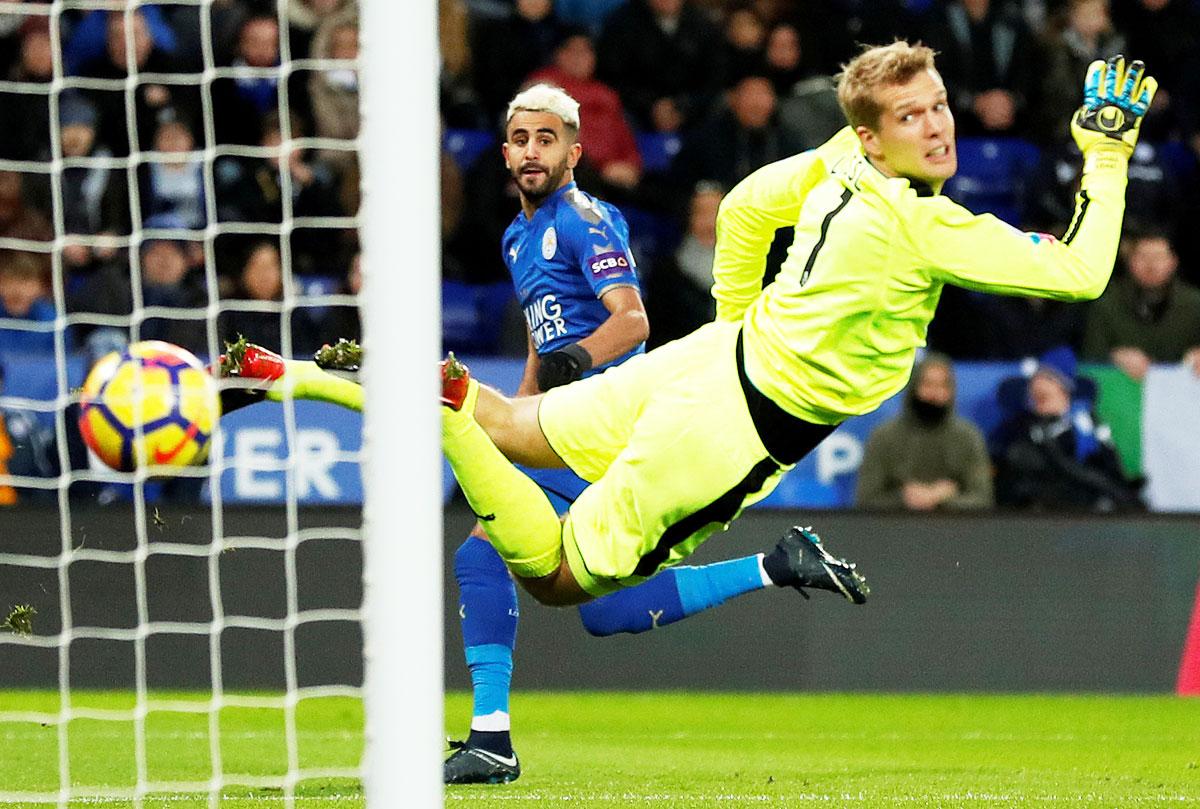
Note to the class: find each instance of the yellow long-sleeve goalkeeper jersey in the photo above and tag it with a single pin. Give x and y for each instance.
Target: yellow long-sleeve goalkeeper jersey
(835, 334)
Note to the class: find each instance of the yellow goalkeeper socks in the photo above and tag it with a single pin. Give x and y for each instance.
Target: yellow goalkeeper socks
(514, 512)
(310, 382)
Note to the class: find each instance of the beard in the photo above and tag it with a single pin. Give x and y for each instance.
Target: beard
(535, 188)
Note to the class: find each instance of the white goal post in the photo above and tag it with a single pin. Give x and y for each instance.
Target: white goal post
(401, 311)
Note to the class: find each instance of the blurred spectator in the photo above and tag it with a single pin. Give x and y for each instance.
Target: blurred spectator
(664, 58)
(261, 282)
(987, 57)
(745, 42)
(175, 186)
(1016, 327)
(1154, 197)
(459, 104)
(344, 321)
(1087, 34)
(149, 99)
(304, 17)
(251, 189)
(1165, 34)
(165, 282)
(589, 14)
(811, 112)
(8, 495)
(737, 140)
(927, 458)
(26, 447)
(24, 296)
(240, 103)
(469, 253)
(90, 37)
(19, 219)
(783, 58)
(679, 288)
(508, 49)
(608, 142)
(1147, 315)
(334, 93)
(837, 29)
(95, 199)
(10, 42)
(1056, 454)
(25, 117)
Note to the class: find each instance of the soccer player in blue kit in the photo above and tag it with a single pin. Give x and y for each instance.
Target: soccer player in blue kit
(575, 279)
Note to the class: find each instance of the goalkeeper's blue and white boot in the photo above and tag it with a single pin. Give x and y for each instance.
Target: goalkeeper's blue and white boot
(800, 561)
(474, 765)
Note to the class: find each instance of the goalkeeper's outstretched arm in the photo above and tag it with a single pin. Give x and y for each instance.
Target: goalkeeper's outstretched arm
(980, 252)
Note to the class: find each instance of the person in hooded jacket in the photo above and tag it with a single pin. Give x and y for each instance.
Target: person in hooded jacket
(927, 458)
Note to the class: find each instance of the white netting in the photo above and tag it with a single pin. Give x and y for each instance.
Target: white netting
(76, 780)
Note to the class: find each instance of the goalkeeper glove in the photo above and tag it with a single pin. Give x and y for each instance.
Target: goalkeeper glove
(562, 366)
(1115, 100)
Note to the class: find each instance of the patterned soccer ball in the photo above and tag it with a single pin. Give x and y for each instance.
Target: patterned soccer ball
(159, 386)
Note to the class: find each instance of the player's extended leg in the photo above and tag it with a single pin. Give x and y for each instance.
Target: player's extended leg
(679, 592)
(515, 513)
(692, 459)
(488, 608)
(265, 376)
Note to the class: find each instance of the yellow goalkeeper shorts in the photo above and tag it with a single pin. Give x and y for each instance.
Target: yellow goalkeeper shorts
(668, 443)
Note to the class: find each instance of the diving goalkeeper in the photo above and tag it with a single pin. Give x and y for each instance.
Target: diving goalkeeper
(678, 441)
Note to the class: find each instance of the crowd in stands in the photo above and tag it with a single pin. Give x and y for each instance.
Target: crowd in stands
(681, 97)
(680, 100)
(167, 192)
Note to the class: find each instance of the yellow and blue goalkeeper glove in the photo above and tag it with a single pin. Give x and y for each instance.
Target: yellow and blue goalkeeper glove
(1115, 100)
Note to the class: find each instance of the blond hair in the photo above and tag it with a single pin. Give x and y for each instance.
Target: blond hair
(547, 98)
(878, 66)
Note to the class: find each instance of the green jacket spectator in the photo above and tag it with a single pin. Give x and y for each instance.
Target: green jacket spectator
(927, 458)
(1146, 316)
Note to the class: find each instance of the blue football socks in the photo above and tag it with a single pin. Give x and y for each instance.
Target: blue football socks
(672, 595)
(488, 608)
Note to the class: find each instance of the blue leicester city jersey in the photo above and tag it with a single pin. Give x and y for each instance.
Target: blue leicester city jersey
(573, 250)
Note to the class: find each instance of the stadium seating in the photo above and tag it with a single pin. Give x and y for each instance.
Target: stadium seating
(472, 315)
(992, 174)
(658, 150)
(466, 145)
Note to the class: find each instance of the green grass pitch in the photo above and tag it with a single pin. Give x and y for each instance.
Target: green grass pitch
(683, 750)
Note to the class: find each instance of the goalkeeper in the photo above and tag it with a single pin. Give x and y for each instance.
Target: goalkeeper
(677, 441)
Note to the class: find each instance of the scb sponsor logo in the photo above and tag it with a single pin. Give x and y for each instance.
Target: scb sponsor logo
(608, 264)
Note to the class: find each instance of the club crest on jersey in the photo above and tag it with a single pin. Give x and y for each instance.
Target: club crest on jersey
(549, 244)
(607, 265)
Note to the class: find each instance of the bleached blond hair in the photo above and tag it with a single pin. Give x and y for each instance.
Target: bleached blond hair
(874, 68)
(546, 98)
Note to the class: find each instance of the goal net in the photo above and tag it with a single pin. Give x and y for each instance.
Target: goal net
(264, 628)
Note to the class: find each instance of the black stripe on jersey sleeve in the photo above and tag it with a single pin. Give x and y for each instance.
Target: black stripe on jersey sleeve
(1084, 200)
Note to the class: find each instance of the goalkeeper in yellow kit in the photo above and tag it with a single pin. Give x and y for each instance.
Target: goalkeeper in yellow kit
(677, 442)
